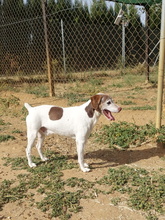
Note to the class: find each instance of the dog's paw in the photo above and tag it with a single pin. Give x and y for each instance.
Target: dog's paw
(85, 169)
(86, 165)
(32, 165)
(45, 159)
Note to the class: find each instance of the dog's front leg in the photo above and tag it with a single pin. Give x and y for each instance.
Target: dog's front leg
(80, 152)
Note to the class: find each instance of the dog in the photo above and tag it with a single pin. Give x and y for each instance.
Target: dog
(76, 122)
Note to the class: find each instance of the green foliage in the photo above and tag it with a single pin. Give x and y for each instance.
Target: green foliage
(10, 101)
(124, 134)
(145, 190)
(146, 107)
(161, 135)
(128, 102)
(74, 98)
(16, 163)
(4, 123)
(46, 178)
(39, 91)
(74, 14)
(82, 183)
(155, 16)
(115, 201)
(6, 138)
(17, 131)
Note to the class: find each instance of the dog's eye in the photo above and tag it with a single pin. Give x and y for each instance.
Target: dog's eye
(109, 102)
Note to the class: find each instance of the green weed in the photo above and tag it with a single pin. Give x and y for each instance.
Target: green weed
(127, 103)
(6, 138)
(118, 85)
(82, 183)
(10, 101)
(46, 178)
(146, 107)
(74, 98)
(145, 190)
(161, 135)
(2, 122)
(124, 134)
(115, 201)
(39, 91)
(16, 131)
(95, 82)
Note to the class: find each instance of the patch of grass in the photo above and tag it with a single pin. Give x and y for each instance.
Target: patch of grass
(137, 89)
(46, 178)
(161, 135)
(9, 193)
(144, 190)
(61, 203)
(118, 85)
(39, 91)
(10, 101)
(2, 122)
(6, 138)
(24, 113)
(82, 183)
(74, 98)
(124, 134)
(130, 97)
(146, 107)
(116, 201)
(16, 131)
(129, 102)
(95, 82)
(131, 79)
(16, 163)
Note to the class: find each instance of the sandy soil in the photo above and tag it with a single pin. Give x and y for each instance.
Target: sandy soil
(100, 158)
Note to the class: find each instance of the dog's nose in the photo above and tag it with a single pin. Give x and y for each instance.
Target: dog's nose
(119, 109)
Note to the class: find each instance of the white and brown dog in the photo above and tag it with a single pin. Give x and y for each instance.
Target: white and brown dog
(76, 122)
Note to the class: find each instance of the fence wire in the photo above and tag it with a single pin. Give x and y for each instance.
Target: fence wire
(52, 40)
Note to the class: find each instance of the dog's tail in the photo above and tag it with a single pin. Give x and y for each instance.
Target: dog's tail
(27, 106)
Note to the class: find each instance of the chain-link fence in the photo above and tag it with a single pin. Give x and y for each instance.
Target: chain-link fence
(52, 40)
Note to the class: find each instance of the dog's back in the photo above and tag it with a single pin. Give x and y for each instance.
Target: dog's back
(62, 121)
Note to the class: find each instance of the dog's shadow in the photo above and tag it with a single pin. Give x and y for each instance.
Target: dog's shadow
(111, 158)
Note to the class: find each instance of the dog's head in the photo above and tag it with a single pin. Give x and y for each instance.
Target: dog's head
(104, 104)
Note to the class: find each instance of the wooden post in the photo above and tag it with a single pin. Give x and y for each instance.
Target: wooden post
(48, 57)
(161, 69)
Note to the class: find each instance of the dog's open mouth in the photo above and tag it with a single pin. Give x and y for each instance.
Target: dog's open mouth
(108, 114)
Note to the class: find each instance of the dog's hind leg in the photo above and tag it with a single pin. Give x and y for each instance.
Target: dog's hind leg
(39, 145)
(31, 136)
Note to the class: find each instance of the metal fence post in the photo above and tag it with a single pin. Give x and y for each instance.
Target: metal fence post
(123, 43)
(147, 44)
(63, 45)
(49, 62)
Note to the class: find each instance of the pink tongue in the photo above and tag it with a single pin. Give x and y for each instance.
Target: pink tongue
(108, 115)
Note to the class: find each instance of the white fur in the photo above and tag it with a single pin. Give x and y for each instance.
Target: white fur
(75, 123)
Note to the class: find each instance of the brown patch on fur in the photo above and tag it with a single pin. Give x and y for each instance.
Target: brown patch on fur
(96, 101)
(43, 129)
(55, 113)
(90, 111)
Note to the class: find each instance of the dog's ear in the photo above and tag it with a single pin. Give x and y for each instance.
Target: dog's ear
(96, 100)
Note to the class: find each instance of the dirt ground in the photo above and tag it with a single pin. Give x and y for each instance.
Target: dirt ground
(100, 158)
